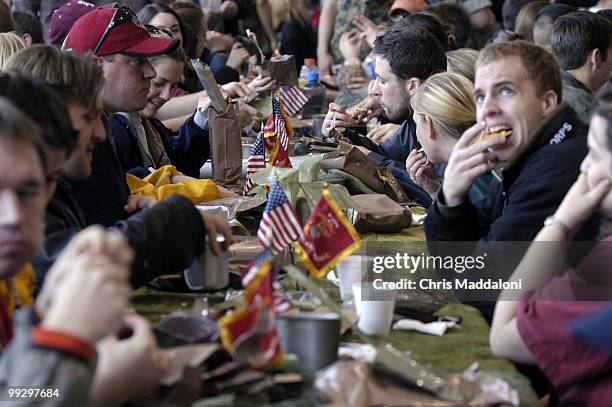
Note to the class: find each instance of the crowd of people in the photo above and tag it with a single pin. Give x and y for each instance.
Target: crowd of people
(494, 115)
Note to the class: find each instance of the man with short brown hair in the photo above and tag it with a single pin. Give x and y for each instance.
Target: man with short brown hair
(532, 143)
(51, 345)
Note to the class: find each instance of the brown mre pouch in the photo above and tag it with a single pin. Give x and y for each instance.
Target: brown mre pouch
(282, 69)
(393, 188)
(359, 166)
(378, 213)
(225, 145)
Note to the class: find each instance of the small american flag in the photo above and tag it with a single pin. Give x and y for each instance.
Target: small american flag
(256, 161)
(280, 126)
(280, 225)
(294, 99)
(254, 266)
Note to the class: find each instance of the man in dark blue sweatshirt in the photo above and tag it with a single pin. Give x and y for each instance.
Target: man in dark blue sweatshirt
(405, 58)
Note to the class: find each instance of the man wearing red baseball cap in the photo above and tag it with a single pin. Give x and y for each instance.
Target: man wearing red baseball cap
(121, 45)
(116, 34)
(114, 30)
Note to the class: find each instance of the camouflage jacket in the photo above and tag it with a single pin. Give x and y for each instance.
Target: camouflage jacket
(349, 10)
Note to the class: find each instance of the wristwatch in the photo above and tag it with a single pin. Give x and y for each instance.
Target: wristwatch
(551, 220)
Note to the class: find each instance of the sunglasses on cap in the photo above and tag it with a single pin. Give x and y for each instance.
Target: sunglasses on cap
(122, 15)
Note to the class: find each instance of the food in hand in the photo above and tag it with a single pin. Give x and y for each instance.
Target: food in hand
(358, 113)
(493, 132)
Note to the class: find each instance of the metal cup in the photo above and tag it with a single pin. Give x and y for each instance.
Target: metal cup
(313, 336)
(208, 272)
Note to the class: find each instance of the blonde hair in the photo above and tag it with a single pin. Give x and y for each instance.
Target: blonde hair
(446, 98)
(283, 10)
(463, 62)
(10, 43)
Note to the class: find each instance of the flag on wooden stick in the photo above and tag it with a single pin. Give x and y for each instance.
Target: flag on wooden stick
(279, 225)
(256, 161)
(275, 152)
(328, 236)
(250, 332)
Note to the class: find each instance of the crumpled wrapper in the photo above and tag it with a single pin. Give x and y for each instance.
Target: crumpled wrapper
(308, 165)
(249, 250)
(288, 179)
(314, 190)
(231, 207)
(356, 384)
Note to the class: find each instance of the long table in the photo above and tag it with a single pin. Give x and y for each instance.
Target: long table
(454, 351)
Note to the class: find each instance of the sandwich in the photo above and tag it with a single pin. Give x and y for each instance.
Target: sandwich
(357, 113)
(495, 132)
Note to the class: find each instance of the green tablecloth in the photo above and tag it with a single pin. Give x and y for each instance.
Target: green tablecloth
(454, 351)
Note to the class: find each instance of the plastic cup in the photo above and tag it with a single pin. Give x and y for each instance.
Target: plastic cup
(375, 316)
(350, 271)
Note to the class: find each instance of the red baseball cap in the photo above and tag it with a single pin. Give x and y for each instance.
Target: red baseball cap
(127, 37)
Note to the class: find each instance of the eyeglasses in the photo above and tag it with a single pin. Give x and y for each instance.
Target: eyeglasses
(122, 15)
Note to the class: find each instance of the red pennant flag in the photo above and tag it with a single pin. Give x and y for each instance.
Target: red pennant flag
(255, 321)
(328, 236)
(275, 152)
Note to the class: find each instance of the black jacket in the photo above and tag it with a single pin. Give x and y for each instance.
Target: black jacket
(531, 189)
(392, 154)
(297, 39)
(165, 238)
(103, 195)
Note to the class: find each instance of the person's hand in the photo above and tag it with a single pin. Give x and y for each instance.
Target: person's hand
(580, 202)
(248, 114)
(372, 105)
(263, 84)
(129, 368)
(214, 225)
(325, 62)
(350, 44)
(204, 103)
(238, 55)
(422, 172)
(467, 162)
(367, 27)
(229, 9)
(343, 119)
(137, 202)
(236, 89)
(93, 240)
(90, 293)
(218, 42)
(383, 132)
(246, 109)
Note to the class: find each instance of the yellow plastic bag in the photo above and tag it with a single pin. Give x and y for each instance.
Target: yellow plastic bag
(18, 290)
(159, 185)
